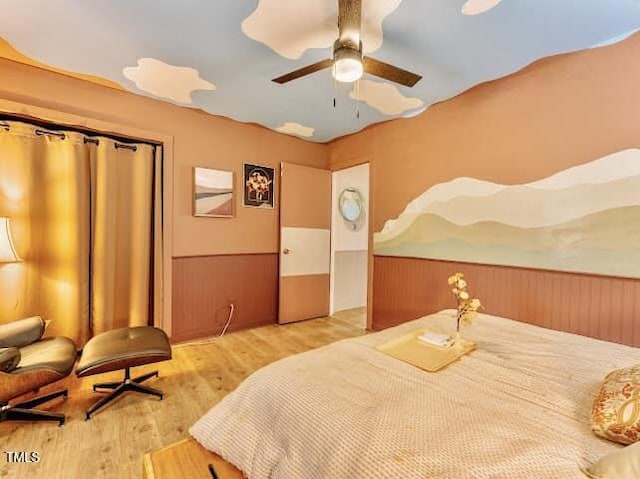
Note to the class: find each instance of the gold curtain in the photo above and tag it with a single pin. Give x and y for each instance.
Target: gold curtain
(87, 221)
(122, 205)
(45, 192)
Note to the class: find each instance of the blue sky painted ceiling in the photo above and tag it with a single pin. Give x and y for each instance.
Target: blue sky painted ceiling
(220, 55)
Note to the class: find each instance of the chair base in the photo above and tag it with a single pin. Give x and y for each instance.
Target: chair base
(24, 411)
(121, 387)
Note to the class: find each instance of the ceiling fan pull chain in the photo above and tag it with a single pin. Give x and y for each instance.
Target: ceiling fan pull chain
(358, 100)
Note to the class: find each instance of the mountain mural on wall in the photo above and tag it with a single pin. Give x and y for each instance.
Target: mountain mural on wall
(583, 219)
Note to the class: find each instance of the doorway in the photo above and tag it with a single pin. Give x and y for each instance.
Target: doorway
(349, 240)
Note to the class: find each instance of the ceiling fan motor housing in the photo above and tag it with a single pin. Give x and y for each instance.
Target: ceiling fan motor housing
(343, 50)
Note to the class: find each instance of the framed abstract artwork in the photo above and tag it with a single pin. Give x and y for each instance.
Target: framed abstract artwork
(213, 193)
(259, 186)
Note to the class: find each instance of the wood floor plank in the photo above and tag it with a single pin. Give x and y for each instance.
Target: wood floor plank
(114, 442)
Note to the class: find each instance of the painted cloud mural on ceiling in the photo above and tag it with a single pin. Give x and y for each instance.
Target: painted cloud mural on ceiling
(384, 97)
(306, 24)
(166, 81)
(221, 55)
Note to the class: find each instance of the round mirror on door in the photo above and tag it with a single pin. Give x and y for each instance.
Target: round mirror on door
(351, 205)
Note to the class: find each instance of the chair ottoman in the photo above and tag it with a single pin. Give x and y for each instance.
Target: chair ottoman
(123, 348)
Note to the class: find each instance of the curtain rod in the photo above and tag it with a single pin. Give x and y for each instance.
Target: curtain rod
(87, 139)
(46, 128)
(40, 132)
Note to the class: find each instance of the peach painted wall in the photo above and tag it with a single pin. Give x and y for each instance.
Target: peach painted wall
(204, 250)
(557, 113)
(199, 139)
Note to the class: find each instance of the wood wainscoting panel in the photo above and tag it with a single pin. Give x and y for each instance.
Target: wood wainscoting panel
(601, 307)
(204, 287)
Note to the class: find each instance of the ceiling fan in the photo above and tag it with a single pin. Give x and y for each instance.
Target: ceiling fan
(348, 64)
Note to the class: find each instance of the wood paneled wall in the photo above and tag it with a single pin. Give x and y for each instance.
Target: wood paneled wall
(205, 286)
(597, 306)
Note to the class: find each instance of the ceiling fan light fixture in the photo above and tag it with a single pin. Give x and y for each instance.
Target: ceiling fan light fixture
(347, 64)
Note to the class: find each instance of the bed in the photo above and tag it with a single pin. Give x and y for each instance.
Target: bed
(517, 407)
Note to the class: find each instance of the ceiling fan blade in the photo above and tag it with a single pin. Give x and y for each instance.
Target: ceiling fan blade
(309, 69)
(349, 22)
(389, 72)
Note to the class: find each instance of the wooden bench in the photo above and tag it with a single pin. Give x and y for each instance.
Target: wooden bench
(187, 459)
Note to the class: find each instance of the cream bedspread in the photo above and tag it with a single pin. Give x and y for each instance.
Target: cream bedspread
(518, 407)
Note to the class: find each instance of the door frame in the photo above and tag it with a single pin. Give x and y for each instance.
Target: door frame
(32, 112)
(369, 210)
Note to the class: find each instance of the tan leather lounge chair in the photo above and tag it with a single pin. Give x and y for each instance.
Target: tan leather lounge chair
(27, 363)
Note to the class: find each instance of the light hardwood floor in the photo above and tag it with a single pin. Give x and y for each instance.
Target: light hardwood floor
(113, 443)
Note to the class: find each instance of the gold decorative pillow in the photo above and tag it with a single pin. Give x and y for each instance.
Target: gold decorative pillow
(616, 409)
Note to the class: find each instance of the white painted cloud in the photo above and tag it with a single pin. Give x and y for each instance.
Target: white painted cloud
(167, 81)
(291, 128)
(292, 27)
(384, 97)
(476, 7)
(412, 113)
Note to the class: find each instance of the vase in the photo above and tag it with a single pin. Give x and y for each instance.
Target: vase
(457, 340)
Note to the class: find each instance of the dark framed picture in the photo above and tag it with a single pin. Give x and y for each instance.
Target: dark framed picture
(212, 193)
(259, 186)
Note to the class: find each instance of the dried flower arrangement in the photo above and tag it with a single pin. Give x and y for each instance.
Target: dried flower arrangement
(467, 306)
